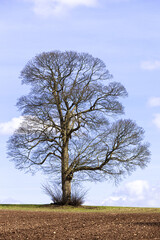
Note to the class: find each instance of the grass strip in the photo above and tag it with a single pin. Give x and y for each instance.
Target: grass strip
(54, 208)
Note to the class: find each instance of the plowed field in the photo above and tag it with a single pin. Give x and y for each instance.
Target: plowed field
(23, 225)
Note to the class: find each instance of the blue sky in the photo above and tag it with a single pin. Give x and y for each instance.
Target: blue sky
(125, 34)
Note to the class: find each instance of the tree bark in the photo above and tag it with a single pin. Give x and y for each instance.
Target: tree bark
(66, 180)
(66, 189)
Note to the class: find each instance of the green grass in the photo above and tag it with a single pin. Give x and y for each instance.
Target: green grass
(52, 208)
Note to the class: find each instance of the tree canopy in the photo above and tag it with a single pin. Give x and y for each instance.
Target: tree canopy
(70, 127)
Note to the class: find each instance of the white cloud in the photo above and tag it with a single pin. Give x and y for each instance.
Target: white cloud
(10, 201)
(58, 7)
(137, 188)
(30, 122)
(135, 194)
(154, 102)
(150, 65)
(10, 126)
(156, 120)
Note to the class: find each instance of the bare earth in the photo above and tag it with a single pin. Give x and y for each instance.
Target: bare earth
(25, 225)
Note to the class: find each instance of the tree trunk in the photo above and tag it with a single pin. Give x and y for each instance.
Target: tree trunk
(66, 189)
(66, 180)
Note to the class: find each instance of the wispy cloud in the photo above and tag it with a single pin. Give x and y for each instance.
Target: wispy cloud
(156, 120)
(10, 201)
(55, 7)
(150, 65)
(138, 193)
(29, 122)
(7, 128)
(154, 102)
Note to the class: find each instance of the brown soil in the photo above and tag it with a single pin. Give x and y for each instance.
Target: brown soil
(23, 225)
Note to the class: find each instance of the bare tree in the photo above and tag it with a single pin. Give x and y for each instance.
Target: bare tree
(69, 125)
